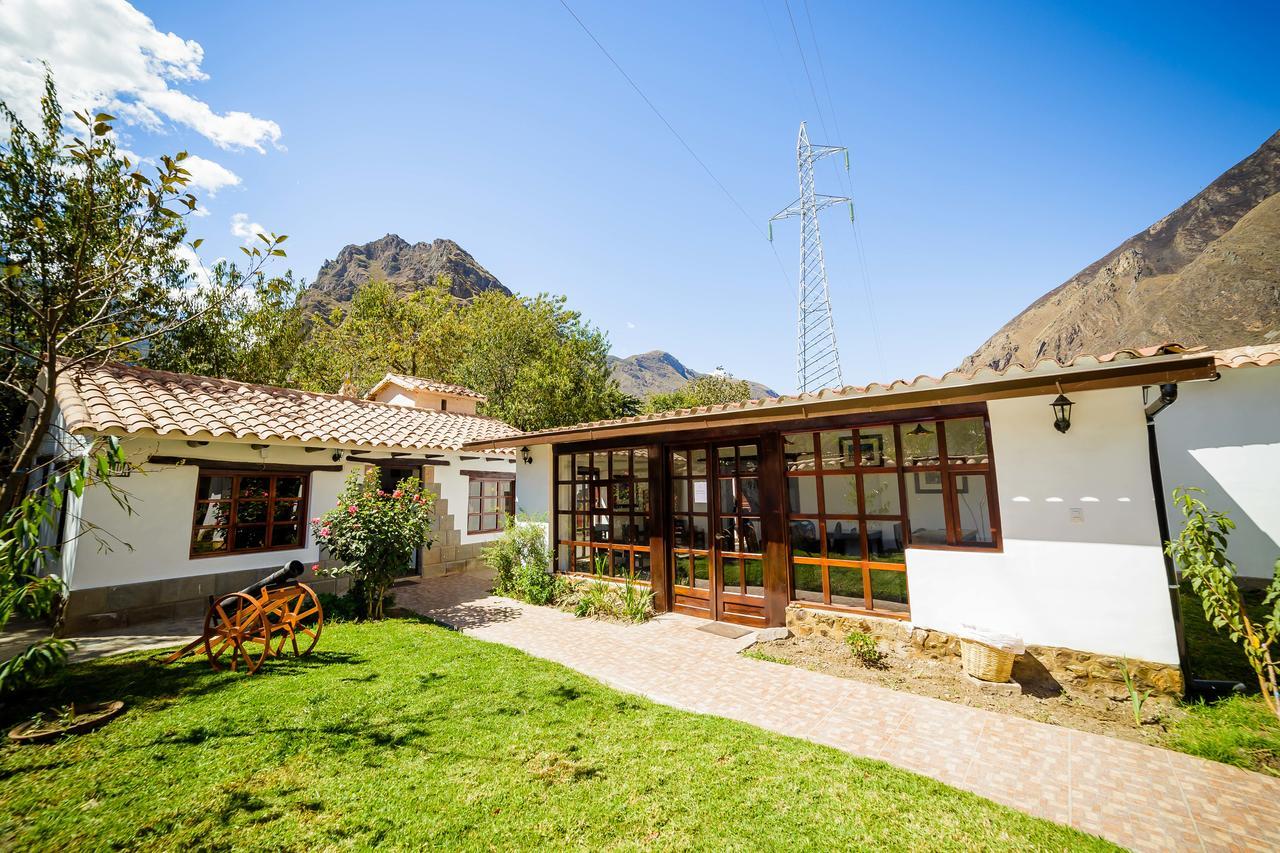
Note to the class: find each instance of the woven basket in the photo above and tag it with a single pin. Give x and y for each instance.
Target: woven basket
(984, 662)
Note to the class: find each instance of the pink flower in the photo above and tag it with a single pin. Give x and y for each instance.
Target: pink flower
(352, 509)
(397, 494)
(315, 520)
(324, 531)
(381, 493)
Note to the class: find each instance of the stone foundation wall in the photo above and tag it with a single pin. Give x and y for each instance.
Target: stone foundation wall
(1068, 668)
(166, 600)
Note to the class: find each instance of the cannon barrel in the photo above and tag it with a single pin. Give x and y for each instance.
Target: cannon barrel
(280, 577)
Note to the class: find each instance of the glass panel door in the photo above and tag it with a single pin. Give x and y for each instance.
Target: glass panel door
(739, 531)
(691, 528)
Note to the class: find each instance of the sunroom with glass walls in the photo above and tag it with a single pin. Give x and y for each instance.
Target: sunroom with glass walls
(857, 498)
(602, 508)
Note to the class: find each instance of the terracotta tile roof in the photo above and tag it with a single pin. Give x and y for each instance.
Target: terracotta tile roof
(417, 383)
(123, 399)
(1045, 367)
(1263, 355)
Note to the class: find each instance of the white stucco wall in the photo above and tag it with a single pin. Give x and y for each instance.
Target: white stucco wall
(1094, 582)
(534, 484)
(1224, 437)
(454, 486)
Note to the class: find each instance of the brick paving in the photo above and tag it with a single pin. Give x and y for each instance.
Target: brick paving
(1138, 796)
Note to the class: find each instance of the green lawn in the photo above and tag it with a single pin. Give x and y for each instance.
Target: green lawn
(403, 734)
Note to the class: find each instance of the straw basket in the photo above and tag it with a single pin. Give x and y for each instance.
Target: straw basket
(984, 662)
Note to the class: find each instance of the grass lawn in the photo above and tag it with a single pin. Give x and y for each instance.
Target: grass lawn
(404, 734)
(1238, 730)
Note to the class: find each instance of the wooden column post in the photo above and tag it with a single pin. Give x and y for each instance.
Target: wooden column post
(773, 498)
(659, 522)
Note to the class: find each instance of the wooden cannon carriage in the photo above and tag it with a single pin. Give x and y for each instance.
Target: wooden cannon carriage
(255, 623)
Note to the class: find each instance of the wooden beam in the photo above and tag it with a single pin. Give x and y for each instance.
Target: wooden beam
(489, 475)
(401, 463)
(227, 465)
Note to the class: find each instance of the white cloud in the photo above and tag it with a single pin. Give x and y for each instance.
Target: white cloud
(105, 54)
(199, 272)
(208, 176)
(630, 325)
(244, 229)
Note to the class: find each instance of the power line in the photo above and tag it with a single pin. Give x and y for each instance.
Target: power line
(687, 147)
(805, 64)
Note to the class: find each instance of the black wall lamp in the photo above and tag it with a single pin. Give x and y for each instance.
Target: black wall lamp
(1061, 412)
(527, 455)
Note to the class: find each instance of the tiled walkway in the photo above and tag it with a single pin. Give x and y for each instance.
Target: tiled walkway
(1138, 796)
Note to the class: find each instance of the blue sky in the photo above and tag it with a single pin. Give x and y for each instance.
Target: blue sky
(996, 149)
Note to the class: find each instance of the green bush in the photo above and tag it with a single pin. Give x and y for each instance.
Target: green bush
(864, 648)
(602, 599)
(521, 561)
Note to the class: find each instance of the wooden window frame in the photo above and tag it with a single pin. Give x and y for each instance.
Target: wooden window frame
(269, 525)
(504, 504)
(620, 558)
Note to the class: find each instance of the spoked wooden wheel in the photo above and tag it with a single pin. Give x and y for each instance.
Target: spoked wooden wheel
(235, 626)
(300, 622)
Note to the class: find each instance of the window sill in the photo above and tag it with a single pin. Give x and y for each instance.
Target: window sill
(966, 549)
(852, 611)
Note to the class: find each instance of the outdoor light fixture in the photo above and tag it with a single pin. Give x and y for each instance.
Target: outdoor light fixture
(527, 455)
(1061, 413)
(920, 429)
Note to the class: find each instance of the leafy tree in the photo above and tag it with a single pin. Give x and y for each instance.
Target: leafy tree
(710, 390)
(1201, 552)
(247, 328)
(90, 250)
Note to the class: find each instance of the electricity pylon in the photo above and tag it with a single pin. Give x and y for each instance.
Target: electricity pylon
(817, 358)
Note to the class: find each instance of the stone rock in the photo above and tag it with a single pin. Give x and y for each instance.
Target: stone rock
(765, 635)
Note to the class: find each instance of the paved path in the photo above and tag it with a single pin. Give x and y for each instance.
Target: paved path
(1138, 796)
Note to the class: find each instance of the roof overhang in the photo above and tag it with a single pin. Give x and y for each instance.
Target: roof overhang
(1156, 370)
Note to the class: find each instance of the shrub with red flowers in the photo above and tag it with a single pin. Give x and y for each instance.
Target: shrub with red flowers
(374, 533)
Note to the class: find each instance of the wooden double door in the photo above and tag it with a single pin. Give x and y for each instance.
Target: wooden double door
(718, 531)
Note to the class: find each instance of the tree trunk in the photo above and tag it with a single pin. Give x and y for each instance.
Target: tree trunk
(39, 416)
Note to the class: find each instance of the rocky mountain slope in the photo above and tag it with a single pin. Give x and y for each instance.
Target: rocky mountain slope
(406, 265)
(659, 372)
(1208, 273)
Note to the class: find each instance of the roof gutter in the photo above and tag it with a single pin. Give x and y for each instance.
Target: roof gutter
(1168, 396)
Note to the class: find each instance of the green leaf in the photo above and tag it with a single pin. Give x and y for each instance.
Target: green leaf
(195, 244)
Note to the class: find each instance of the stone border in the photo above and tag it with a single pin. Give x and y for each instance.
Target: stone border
(1069, 668)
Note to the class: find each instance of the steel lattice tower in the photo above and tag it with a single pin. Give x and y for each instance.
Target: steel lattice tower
(817, 357)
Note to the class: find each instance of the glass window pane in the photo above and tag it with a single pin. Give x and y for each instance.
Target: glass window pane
(844, 541)
(702, 571)
(884, 542)
(600, 465)
(599, 497)
(753, 571)
(889, 591)
(837, 449)
(679, 463)
(802, 495)
(621, 563)
(682, 529)
(209, 541)
(582, 528)
(582, 559)
(564, 467)
(808, 582)
(840, 492)
(213, 489)
(920, 443)
(748, 458)
(804, 539)
(731, 570)
(698, 462)
(251, 512)
(563, 563)
(727, 534)
(880, 492)
(642, 496)
(488, 504)
(212, 514)
(287, 511)
(582, 466)
(473, 523)
(474, 488)
(623, 531)
(600, 528)
(679, 495)
(750, 538)
(701, 532)
(797, 451)
(966, 441)
(728, 495)
(621, 460)
(288, 487)
(250, 537)
(564, 496)
(925, 512)
(726, 460)
(600, 561)
(488, 487)
(683, 570)
(750, 498)
(621, 495)
(640, 463)
(846, 586)
(254, 487)
(285, 534)
(973, 506)
(876, 448)
(640, 569)
(640, 525)
(564, 527)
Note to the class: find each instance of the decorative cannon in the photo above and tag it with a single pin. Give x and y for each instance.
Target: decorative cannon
(255, 623)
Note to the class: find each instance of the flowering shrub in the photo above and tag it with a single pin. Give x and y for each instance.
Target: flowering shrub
(374, 533)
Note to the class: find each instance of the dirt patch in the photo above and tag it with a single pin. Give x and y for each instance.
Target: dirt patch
(1041, 697)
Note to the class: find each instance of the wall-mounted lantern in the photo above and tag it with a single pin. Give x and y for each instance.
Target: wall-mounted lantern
(527, 455)
(1061, 413)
